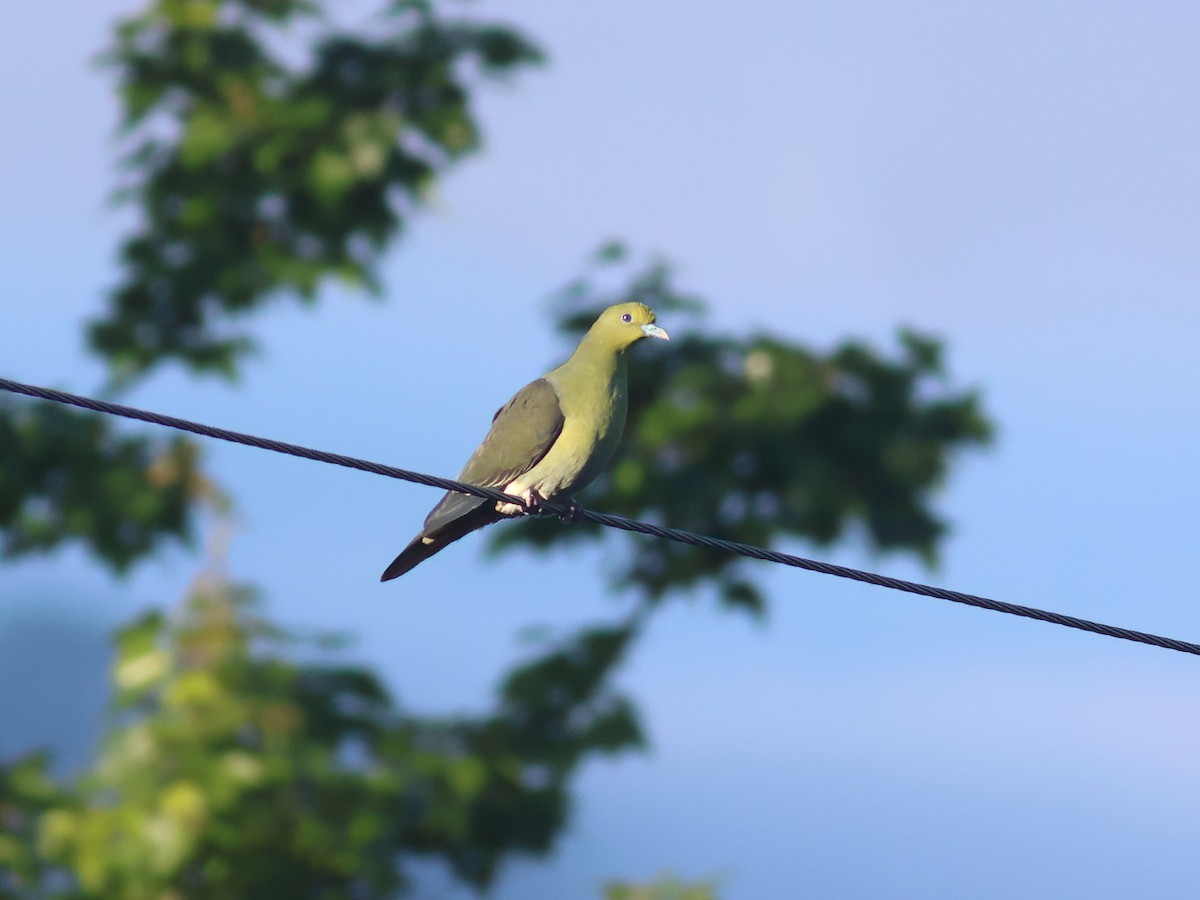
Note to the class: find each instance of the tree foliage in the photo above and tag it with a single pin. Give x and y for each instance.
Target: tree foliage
(664, 887)
(67, 475)
(27, 793)
(231, 770)
(254, 178)
(269, 151)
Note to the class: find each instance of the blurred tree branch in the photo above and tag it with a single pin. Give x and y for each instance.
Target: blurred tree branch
(68, 475)
(254, 177)
(230, 770)
(26, 794)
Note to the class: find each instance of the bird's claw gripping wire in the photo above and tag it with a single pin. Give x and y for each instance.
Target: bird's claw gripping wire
(570, 511)
(567, 510)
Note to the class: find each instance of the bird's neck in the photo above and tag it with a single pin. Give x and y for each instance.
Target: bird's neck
(597, 361)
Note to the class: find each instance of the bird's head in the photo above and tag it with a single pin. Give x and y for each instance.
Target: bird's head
(625, 324)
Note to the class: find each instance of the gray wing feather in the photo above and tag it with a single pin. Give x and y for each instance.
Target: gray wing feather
(522, 432)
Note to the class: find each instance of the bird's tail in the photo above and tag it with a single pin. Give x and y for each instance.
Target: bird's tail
(416, 552)
(426, 544)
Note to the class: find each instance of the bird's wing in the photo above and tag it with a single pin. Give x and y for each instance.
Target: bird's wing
(522, 432)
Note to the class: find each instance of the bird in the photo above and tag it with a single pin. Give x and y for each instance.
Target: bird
(551, 439)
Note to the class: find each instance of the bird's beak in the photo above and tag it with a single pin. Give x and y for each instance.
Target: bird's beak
(656, 332)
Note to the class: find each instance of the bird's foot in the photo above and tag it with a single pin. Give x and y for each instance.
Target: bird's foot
(537, 505)
(532, 505)
(572, 512)
(511, 509)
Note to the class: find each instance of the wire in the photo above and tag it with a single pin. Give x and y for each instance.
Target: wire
(574, 512)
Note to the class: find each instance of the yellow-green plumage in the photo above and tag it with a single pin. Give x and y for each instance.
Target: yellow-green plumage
(553, 438)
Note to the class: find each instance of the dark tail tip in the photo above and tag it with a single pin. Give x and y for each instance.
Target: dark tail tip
(415, 553)
(418, 551)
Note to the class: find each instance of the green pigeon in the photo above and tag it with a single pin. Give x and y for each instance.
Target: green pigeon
(548, 441)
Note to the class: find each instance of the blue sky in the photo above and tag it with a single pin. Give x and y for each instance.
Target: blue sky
(1022, 180)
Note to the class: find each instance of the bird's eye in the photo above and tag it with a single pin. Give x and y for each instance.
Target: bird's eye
(627, 318)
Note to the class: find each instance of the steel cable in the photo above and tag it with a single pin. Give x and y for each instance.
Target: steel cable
(572, 512)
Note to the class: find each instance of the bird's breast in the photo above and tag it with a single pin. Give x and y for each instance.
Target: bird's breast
(591, 431)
